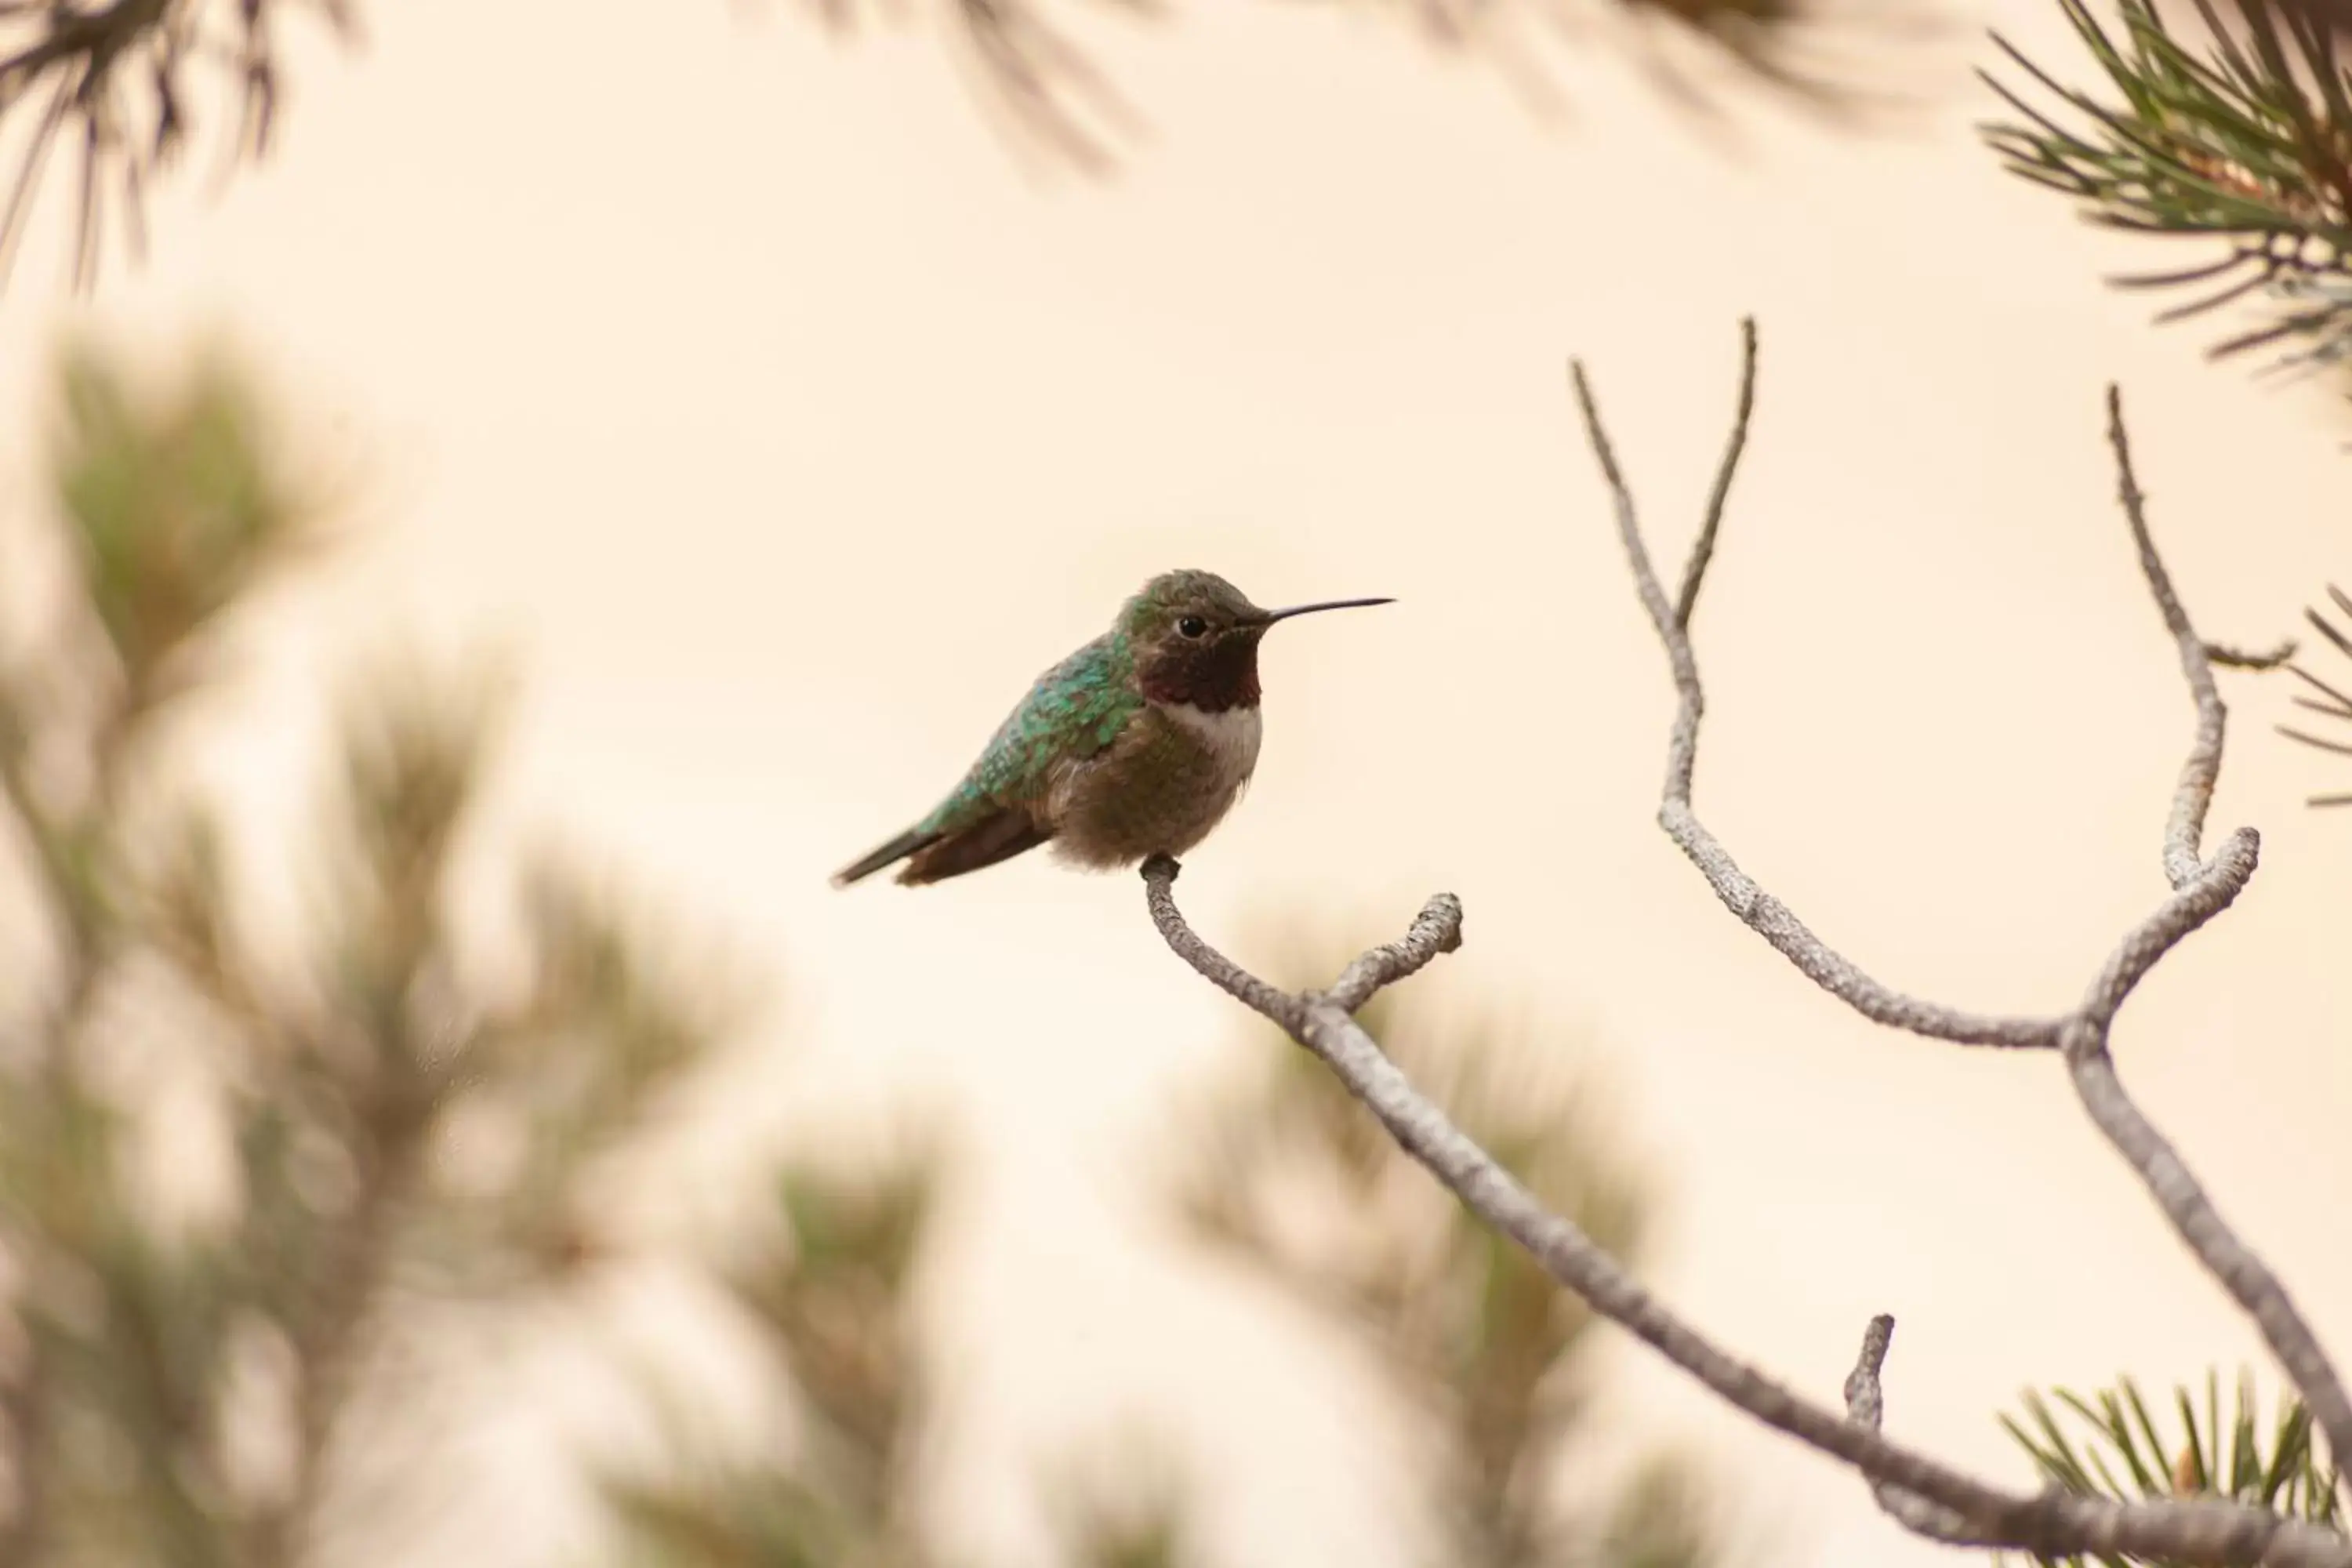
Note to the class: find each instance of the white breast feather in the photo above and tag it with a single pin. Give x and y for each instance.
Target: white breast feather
(1231, 735)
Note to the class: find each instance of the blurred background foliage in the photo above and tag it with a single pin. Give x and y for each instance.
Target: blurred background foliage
(828, 1293)
(1292, 1181)
(1283, 1176)
(236, 1184)
(254, 1187)
(829, 1299)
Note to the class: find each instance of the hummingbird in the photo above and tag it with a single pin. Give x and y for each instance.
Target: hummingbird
(1136, 745)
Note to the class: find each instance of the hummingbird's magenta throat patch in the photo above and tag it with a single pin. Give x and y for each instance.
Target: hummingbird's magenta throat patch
(1212, 676)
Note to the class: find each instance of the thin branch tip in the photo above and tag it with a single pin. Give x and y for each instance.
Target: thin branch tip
(1436, 930)
(1864, 1398)
(1702, 551)
(1595, 432)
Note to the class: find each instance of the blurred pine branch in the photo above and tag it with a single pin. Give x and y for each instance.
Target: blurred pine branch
(115, 88)
(1297, 1182)
(1492, 1359)
(1047, 96)
(829, 1301)
(109, 84)
(178, 1379)
(1125, 1505)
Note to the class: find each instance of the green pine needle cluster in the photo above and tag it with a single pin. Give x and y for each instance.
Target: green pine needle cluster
(2119, 1449)
(2331, 701)
(2246, 139)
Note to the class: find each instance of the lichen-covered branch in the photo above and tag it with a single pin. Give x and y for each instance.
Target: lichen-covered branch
(2215, 1534)
(2202, 888)
(1766, 914)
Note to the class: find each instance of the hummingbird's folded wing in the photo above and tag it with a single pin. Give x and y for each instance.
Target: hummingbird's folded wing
(1073, 712)
(1002, 808)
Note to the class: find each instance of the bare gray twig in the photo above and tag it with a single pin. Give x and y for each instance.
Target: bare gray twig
(1766, 915)
(1866, 1403)
(2202, 888)
(2209, 1533)
(1437, 929)
(2194, 797)
(1703, 548)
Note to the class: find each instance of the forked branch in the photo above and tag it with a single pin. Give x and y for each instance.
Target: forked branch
(2202, 888)
(1921, 1493)
(2212, 1533)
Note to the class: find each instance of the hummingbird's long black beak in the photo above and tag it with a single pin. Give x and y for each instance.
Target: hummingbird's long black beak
(1274, 616)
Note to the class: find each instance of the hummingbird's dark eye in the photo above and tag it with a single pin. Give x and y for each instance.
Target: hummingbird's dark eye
(1193, 627)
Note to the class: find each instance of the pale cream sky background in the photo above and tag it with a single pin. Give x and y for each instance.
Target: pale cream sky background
(747, 390)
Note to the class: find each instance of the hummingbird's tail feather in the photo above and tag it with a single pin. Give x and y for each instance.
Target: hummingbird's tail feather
(898, 848)
(998, 836)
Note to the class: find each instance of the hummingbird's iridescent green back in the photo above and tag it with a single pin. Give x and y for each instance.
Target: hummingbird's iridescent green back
(1073, 711)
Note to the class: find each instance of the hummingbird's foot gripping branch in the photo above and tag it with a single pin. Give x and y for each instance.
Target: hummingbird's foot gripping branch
(1926, 1493)
(2202, 888)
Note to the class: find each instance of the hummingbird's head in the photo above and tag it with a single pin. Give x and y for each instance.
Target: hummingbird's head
(1195, 638)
